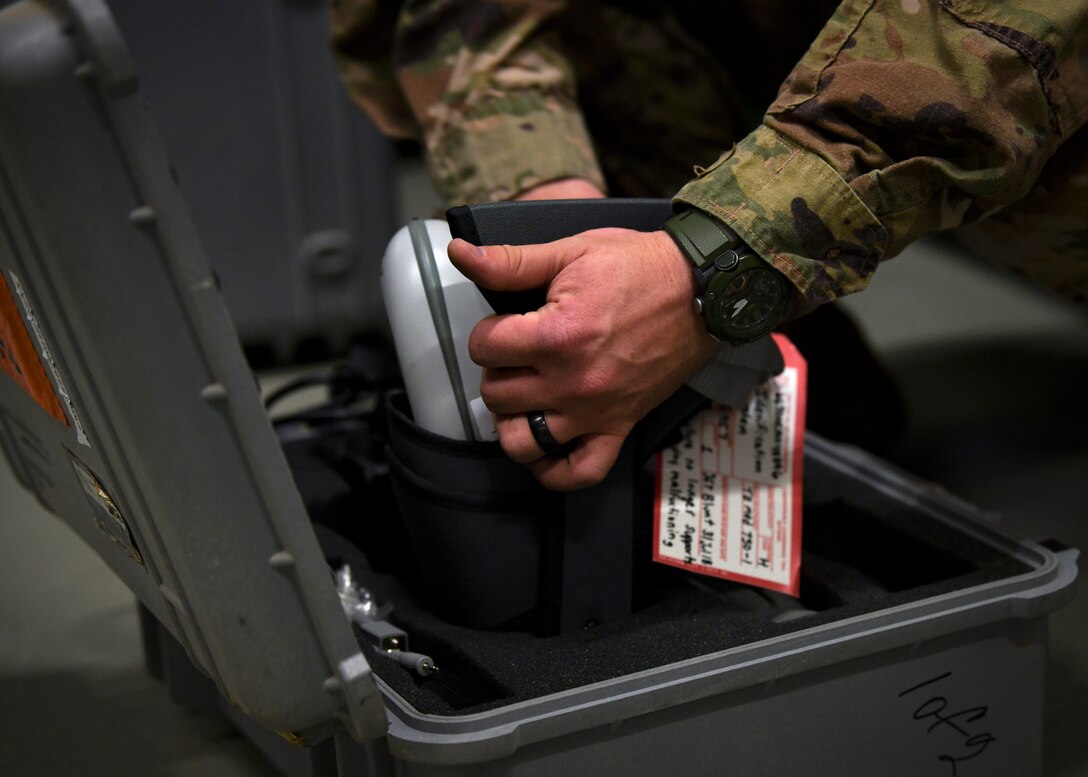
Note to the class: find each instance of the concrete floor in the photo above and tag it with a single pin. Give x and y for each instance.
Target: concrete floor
(994, 374)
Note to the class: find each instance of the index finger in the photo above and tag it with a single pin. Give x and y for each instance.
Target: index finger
(506, 341)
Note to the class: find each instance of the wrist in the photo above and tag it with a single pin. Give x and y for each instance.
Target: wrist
(680, 280)
(675, 288)
(562, 189)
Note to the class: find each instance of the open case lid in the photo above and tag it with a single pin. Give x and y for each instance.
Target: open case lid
(128, 407)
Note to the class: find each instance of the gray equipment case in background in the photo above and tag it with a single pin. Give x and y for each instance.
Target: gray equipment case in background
(168, 467)
(289, 185)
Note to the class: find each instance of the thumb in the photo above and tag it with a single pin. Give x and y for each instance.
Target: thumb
(512, 268)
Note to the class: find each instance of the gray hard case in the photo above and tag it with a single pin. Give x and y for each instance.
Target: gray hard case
(168, 467)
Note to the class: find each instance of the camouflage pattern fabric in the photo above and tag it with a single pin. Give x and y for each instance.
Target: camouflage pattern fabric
(902, 117)
(488, 90)
(1044, 236)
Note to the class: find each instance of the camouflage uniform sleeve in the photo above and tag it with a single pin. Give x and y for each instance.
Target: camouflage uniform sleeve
(904, 117)
(486, 85)
(362, 45)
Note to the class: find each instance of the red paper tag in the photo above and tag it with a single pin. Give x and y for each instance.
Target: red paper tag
(728, 497)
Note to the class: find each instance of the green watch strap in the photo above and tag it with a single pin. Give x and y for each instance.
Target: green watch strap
(704, 239)
(742, 297)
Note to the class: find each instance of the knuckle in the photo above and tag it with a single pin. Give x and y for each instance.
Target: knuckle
(570, 334)
(554, 334)
(482, 337)
(488, 395)
(516, 448)
(596, 382)
(496, 397)
(475, 348)
(511, 267)
(590, 387)
(573, 480)
(592, 474)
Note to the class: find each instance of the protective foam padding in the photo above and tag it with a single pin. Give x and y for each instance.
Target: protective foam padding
(854, 563)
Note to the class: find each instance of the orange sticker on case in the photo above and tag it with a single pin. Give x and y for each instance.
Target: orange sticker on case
(19, 359)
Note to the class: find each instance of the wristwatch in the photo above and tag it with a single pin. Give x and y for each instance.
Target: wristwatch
(742, 297)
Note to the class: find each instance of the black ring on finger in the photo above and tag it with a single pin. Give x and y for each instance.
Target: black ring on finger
(538, 425)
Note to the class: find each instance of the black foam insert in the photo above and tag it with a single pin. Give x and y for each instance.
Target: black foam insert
(863, 551)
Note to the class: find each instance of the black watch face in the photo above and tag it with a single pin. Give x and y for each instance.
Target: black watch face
(745, 305)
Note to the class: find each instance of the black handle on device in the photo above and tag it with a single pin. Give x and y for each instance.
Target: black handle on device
(529, 222)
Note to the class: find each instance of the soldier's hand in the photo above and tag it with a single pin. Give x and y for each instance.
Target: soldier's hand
(617, 335)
